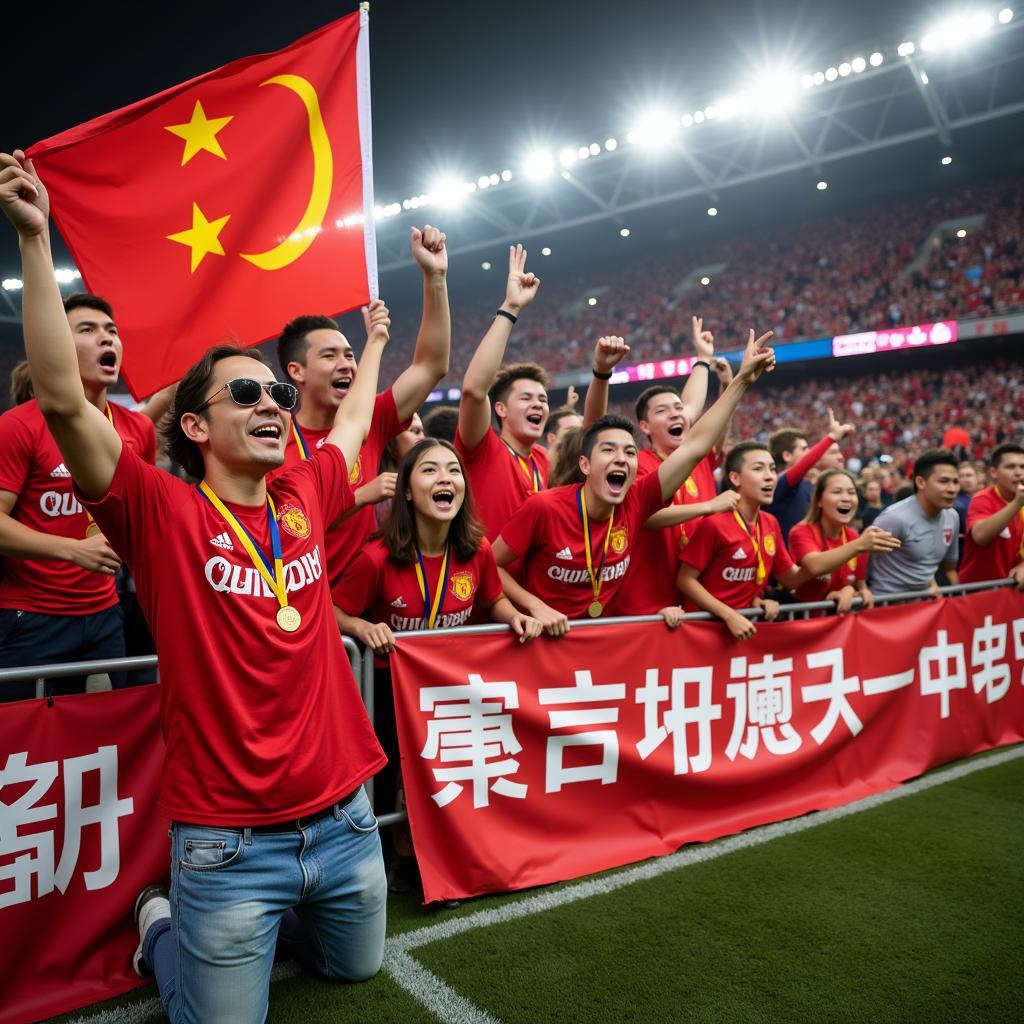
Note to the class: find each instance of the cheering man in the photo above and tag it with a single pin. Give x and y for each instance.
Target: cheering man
(319, 361)
(58, 601)
(994, 541)
(577, 541)
(267, 741)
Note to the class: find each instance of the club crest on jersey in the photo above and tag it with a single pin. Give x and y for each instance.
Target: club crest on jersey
(293, 520)
(769, 544)
(619, 540)
(691, 487)
(355, 474)
(462, 585)
(947, 535)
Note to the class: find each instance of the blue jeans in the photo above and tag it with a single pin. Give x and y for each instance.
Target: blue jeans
(321, 890)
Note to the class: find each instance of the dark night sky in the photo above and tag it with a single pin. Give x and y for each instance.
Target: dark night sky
(460, 85)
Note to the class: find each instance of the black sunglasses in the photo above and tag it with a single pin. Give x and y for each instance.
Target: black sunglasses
(246, 391)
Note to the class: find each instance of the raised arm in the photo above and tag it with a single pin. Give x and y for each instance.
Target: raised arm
(434, 341)
(984, 531)
(352, 420)
(608, 353)
(818, 563)
(757, 359)
(88, 443)
(475, 405)
(695, 391)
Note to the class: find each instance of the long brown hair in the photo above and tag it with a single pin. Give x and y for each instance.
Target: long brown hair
(814, 509)
(398, 531)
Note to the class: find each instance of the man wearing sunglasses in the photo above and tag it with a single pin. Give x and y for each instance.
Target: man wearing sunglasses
(317, 358)
(58, 601)
(267, 741)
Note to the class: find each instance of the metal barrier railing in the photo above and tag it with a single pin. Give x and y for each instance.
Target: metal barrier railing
(361, 660)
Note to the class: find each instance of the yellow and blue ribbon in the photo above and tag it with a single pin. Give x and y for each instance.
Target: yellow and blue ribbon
(526, 466)
(433, 607)
(595, 578)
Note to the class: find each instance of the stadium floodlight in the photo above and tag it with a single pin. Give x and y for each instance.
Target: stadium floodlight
(858, 64)
(64, 275)
(592, 301)
(654, 129)
(698, 117)
(711, 112)
(12, 284)
(483, 181)
(485, 265)
(831, 74)
(624, 232)
(567, 156)
(712, 211)
(773, 92)
(844, 69)
(806, 81)
(819, 77)
(583, 152)
(924, 78)
(821, 186)
(495, 178)
(594, 148)
(538, 165)
(1005, 16)
(705, 281)
(961, 233)
(470, 187)
(406, 204)
(611, 145)
(545, 251)
(686, 120)
(875, 59)
(506, 175)
(946, 161)
(981, 23)
(448, 192)
(906, 49)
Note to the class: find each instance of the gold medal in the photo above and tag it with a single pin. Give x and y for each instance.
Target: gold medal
(288, 618)
(92, 530)
(594, 609)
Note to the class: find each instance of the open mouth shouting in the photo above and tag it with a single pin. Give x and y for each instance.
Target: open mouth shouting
(616, 481)
(108, 361)
(535, 420)
(844, 510)
(340, 385)
(677, 430)
(768, 492)
(443, 499)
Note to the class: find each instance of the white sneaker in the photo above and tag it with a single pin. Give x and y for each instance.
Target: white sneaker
(151, 906)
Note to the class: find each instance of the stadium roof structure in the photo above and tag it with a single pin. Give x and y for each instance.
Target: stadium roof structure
(964, 74)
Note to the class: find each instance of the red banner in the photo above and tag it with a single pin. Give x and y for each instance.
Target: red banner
(79, 838)
(529, 764)
(219, 209)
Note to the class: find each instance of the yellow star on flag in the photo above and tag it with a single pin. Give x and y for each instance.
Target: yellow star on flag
(201, 238)
(200, 133)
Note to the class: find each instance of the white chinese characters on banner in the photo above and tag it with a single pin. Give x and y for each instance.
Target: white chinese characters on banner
(604, 771)
(763, 707)
(34, 852)
(942, 669)
(988, 649)
(472, 732)
(678, 716)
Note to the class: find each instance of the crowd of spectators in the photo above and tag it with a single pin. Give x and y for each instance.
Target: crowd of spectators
(839, 274)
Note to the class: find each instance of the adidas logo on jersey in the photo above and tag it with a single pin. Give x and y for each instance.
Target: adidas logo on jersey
(398, 603)
(1006, 533)
(60, 471)
(565, 554)
(222, 540)
(739, 553)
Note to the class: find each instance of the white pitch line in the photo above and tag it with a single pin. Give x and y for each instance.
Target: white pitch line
(451, 1008)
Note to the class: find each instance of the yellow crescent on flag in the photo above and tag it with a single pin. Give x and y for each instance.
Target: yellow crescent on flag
(302, 235)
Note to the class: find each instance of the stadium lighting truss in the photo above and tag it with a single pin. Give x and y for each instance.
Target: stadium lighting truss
(868, 101)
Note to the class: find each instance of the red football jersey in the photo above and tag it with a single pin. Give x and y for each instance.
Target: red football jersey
(32, 467)
(722, 549)
(378, 588)
(260, 725)
(548, 534)
(805, 538)
(656, 553)
(995, 560)
(497, 479)
(345, 539)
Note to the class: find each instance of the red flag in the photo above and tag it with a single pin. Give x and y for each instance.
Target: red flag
(220, 208)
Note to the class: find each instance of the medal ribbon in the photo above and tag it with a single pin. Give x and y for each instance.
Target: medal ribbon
(852, 563)
(271, 570)
(677, 499)
(755, 539)
(432, 608)
(595, 579)
(300, 440)
(531, 477)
